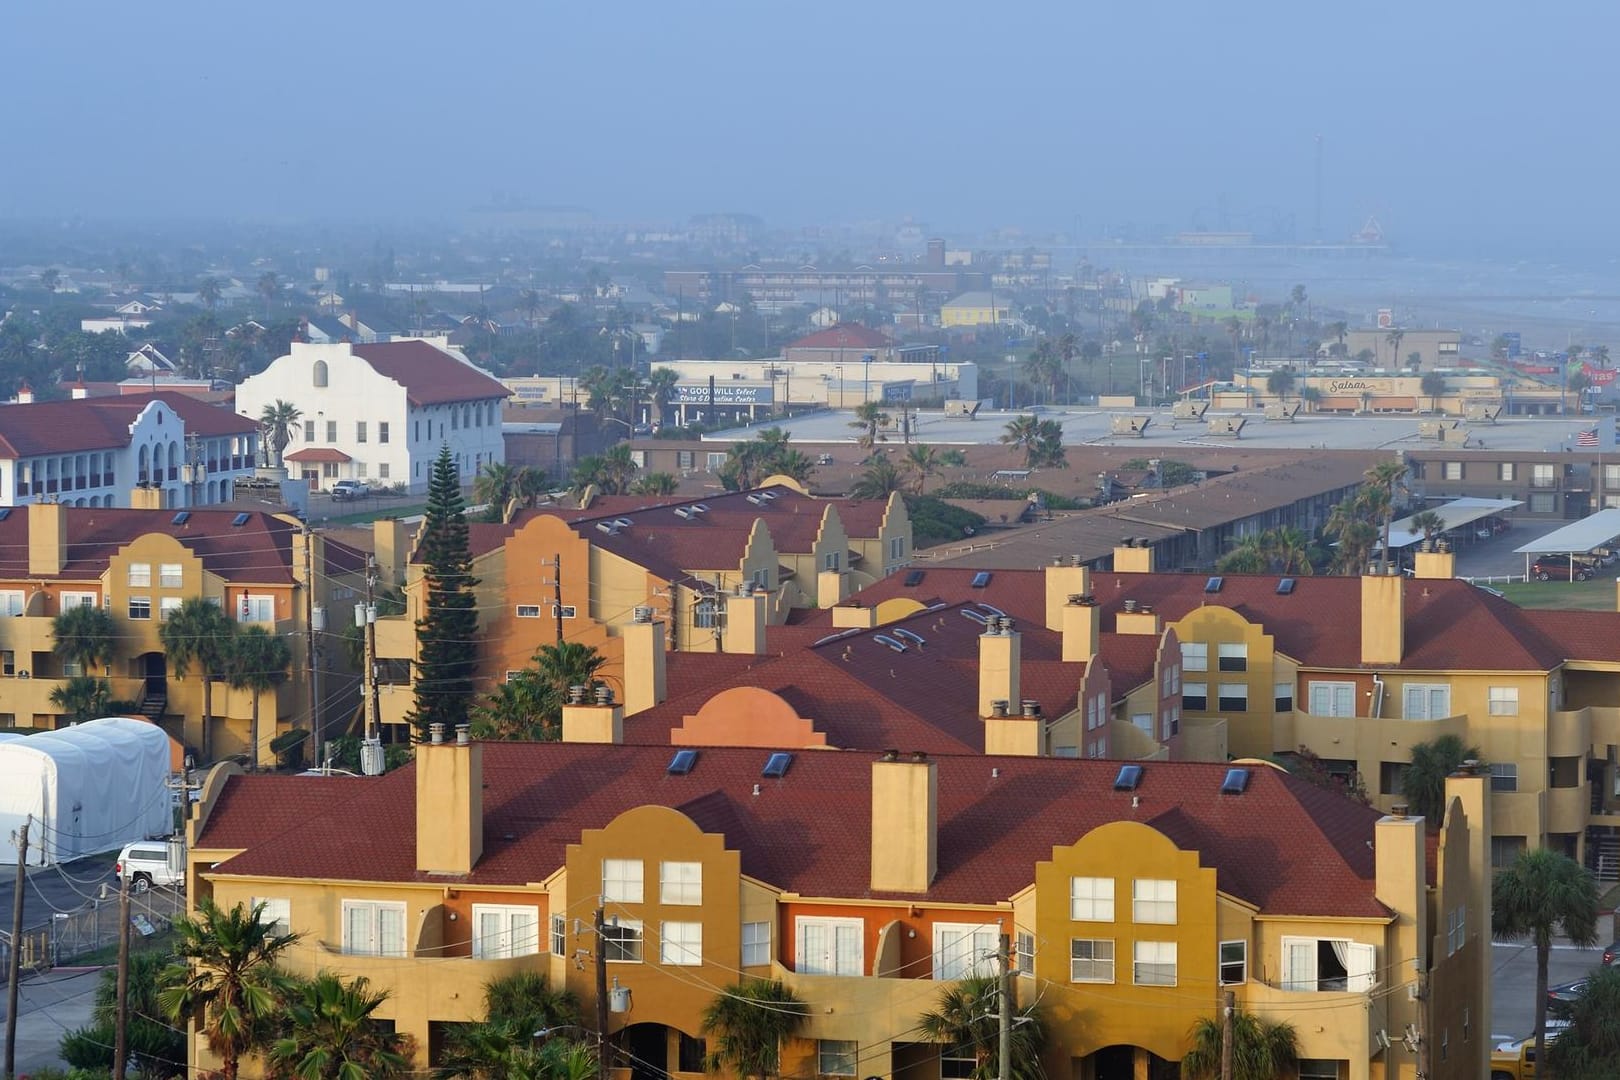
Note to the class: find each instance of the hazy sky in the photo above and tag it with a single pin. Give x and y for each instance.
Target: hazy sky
(1446, 119)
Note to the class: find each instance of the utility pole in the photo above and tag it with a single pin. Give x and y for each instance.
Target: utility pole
(365, 617)
(14, 954)
(309, 643)
(602, 1070)
(1004, 1041)
(1228, 1032)
(1422, 1037)
(120, 1035)
(556, 593)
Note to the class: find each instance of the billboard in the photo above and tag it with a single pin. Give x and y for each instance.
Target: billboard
(898, 391)
(1515, 344)
(724, 394)
(1386, 318)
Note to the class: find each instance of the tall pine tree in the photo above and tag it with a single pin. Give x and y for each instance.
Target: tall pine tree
(445, 635)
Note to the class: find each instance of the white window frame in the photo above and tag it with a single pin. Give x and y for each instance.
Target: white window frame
(1233, 692)
(829, 960)
(1154, 955)
(833, 1059)
(756, 943)
(680, 943)
(965, 950)
(526, 611)
(140, 575)
(512, 937)
(1091, 899)
(1508, 773)
(168, 605)
(1194, 656)
(559, 935)
(1280, 691)
(253, 607)
(375, 945)
(897, 547)
(1502, 700)
(70, 600)
(1300, 972)
(277, 913)
(1235, 651)
(1096, 971)
(831, 561)
(1319, 1069)
(145, 602)
(619, 884)
(1196, 690)
(13, 602)
(1451, 470)
(171, 575)
(1024, 952)
(1241, 963)
(628, 947)
(680, 883)
(1331, 698)
(567, 611)
(1153, 901)
(1425, 701)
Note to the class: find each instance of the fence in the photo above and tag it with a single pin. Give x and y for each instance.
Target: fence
(94, 925)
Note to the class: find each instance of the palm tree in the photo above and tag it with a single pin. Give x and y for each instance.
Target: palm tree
(493, 486)
(657, 483)
(269, 288)
(199, 632)
(330, 1032)
(966, 1020)
(1383, 479)
(1022, 432)
(1429, 523)
(258, 661)
(922, 462)
(1393, 339)
(226, 980)
(208, 292)
(661, 390)
(1577, 383)
(84, 637)
(1261, 1049)
(49, 279)
(525, 998)
(1544, 892)
(794, 463)
(557, 667)
(1423, 780)
(1068, 347)
(82, 697)
(870, 419)
(1348, 524)
(1339, 330)
(529, 483)
(879, 481)
(619, 466)
(1291, 550)
(278, 421)
(518, 710)
(1589, 1048)
(1280, 383)
(530, 301)
(1248, 557)
(1045, 368)
(746, 1024)
(1312, 397)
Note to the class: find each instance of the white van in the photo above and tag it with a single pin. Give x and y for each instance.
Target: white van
(145, 863)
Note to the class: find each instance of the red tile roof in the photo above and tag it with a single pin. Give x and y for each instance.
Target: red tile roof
(257, 551)
(843, 336)
(102, 423)
(319, 453)
(1283, 845)
(429, 375)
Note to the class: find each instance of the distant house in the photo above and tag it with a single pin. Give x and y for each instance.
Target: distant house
(149, 360)
(974, 309)
(121, 324)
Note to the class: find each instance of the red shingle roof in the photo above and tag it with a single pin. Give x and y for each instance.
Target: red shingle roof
(1580, 635)
(258, 551)
(843, 336)
(1283, 845)
(102, 423)
(429, 375)
(318, 453)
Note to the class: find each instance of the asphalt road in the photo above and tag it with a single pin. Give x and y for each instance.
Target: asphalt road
(57, 889)
(1513, 982)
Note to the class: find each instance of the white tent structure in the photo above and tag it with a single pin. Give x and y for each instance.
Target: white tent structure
(88, 788)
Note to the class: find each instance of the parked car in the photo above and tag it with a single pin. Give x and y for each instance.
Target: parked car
(350, 489)
(1557, 567)
(145, 863)
(1611, 954)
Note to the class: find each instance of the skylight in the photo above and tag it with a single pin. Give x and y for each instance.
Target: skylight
(682, 762)
(181, 518)
(1285, 586)
(1236, 782)
(239, 520)
(980, 580)
(776, 766)
(914, 577)
(1129, 777)
(1213, 585)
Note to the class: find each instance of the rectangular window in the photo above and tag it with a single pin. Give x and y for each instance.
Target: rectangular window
(500, 931)
(1024, 953)
(382, 431)
(140, 574)
(1195, 696)
(1426, 701)
(1456, 930)
(309, 431)
(382, 470)
(1541, 476)
(1091, 899)
(1452, 470)
(963, 950)
(11, 602)
(836, 1057)
(559, 935)
(1318, 1069)
(1233, 697)
(331, 431)
(958, 1063)
(566, 611)
(1504, 776)
(621, 941)
(691, 1056)
(277, 914)
(621, 880)
(168, 605)
(257, 609)
(1507, 472)
(1153, 900)
(528, 611)
(1282, 698)
(716, 462)
(831, 561)
(1389, 777)
(359, 431)
(897, 547)
(169, 575)
(1543, 502)
(373, 928)
(1091, 960)
(71, 600)
(1194, 656)
(1328, 964)
(360, 470)
(703, 614)
(1503, 700)
(1154, 963)
(685, 459)
(1234, 962)
(1505, 850)
(1233, 657)
(756, 944)
(680, 944)
(830, 946)
(680, 883)
(1332, 698)
(140, 607)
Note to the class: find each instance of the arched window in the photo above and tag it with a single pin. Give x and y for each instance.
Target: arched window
(320, 373)
(174, 461)
(143, 471)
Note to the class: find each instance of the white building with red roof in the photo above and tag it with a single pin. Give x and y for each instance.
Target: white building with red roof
(380, 412)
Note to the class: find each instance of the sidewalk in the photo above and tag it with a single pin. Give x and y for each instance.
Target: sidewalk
(48, 1007)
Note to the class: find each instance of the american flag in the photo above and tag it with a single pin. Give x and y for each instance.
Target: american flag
(1589, 437)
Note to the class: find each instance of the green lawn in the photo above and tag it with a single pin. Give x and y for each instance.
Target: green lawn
(1598, 594)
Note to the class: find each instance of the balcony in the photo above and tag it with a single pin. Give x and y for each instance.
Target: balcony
(1343, 1024)
(431, 987)
(1362, 738)
(1569, 809)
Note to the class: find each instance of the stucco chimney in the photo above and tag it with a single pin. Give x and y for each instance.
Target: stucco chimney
(1138, 621)
(592, 718)
(449, 805)
(832, 588)
(1435, 564)
(644, 684)
(905, 823)
(47, 538)
(1063, 581)
(1383, 618)
(1000, 651)
(1082, 628)
(1401, 884)
(146, 498)
(746, 613)
(1130, 559)
(25, 394)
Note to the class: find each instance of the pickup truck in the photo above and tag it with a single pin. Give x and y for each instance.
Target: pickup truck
(350, 489)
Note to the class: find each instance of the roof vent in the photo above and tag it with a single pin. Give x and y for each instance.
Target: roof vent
(1129, 778)
(911, 636)
(607, 527)
(1399, 810)
(239, 520)
(992, 609)
(893, 643)
(682, 512)
(1213, 585)
(1082, 600)
(642, 615)
(776, 766)
(1029, 708)
(998, 708)
(1130, 605)
(623, 523)
(577, 694)
(1285, 586)
(980, 580)
(700, 508)
(604, 695)
(682, 762)
(1236, 782)
(435, 734)
(756, 500)
(914, 577)
(890, 755)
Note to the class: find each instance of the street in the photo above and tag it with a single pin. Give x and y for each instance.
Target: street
(58, 888)
(1513, 981)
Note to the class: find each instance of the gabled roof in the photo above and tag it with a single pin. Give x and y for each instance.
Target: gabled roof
(102, 423)
(1283, 845)
(430, 375)
(843, 336)
(318, 454)
(259, 550)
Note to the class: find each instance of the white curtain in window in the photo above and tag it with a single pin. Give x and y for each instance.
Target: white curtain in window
(1341, 952)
